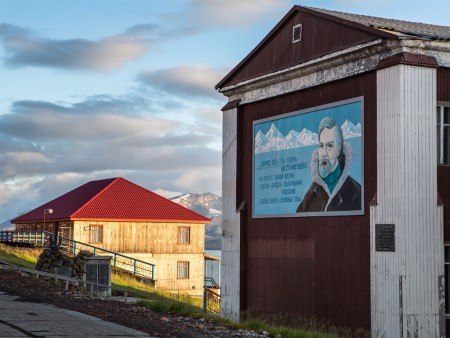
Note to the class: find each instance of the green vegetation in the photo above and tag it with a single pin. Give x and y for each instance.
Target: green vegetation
(19, 256)
(184, 305)
(159, 301)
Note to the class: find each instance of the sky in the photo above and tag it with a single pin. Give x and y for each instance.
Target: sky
(95, 89)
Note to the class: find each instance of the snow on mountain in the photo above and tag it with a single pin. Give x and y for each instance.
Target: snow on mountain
(177, 199)
(276, 138)
(292, 139)
(261, 141)
(307, 138)
(349, 130)
(209, 205)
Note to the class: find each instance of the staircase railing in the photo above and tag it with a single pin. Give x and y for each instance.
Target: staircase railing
(211, 283)
(136, 266)
(211, 301)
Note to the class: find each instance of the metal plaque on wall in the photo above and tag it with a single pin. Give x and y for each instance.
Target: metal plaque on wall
(103, 276)
(92, 274)
(385, 237)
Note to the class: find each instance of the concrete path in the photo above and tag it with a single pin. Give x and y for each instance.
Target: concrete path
(22, 319)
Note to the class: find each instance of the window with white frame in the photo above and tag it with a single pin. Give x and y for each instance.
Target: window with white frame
(447, 278)
(182, 270)
(183, 235)
(96, 234)
(443, 133)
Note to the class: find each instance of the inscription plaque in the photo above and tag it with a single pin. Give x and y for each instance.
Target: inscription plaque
(91, 274)
(385, 237)
(103, 276)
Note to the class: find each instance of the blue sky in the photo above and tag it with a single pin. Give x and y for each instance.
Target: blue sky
(93, 89)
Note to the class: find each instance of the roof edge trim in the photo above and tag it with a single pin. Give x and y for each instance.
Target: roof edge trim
(206, 221)
(231, 105)
(411, 59)
(283, 21)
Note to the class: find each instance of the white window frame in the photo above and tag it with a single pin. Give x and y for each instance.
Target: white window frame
(447, 280)
(95, 234)
(300, 27)
(440, 130)
(184, 235)
(182, 270)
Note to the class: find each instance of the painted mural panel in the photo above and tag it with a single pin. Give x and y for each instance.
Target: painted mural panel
(310, 162)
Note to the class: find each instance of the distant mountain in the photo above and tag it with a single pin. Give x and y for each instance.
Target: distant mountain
(349, 130)
(6, 225)
(275, 140)
(208, 205)
(307, 138)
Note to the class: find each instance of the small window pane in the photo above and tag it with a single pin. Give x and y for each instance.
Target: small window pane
(447, 288)
(447, 278)
(438, 115)
(446, 115)
(447, 254)
(446, 150)
(438, 141)
(182, 270)
(96, 234)
(183, 235)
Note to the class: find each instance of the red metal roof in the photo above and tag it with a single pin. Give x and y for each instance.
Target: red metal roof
(113, 199)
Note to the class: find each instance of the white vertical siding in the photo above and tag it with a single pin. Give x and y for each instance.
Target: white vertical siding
(405, 297)
(230, 276)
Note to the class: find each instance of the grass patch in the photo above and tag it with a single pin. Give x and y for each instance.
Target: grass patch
(157, 300)
(20, 256)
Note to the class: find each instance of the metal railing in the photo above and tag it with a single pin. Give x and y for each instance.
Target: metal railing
(211, 283)
(211, 301)
(137, 267)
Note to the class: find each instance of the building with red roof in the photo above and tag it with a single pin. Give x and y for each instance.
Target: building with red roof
(121, 216)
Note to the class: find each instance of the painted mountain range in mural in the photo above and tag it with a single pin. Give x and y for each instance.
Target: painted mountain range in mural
(275, 140)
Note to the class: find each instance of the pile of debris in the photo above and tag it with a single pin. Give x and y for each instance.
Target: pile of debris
(64, 264)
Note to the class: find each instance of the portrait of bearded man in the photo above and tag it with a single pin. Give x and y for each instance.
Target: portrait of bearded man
(332, 188)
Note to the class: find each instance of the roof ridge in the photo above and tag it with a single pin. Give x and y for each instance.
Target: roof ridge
(96, 195)
(159, 196)
(323, 10)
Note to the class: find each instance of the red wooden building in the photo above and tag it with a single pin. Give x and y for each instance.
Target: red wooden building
(361, 244)
(123, 217)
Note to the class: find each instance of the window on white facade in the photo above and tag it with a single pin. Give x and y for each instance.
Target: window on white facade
(95, 233)
(443, 133)
(183, 235)
(182, 270)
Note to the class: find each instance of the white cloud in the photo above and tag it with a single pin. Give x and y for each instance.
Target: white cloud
(201, 180)
(166, 193)
(194, 80)
(26, 158)
(26, 48)
(17, 189)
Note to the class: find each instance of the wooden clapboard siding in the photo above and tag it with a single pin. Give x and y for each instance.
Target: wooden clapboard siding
(310, 266)
(405, 293)
(320, 36)
(231, 229)
(141, 237)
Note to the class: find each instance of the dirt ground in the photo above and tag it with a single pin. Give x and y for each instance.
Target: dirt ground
(155, 324)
